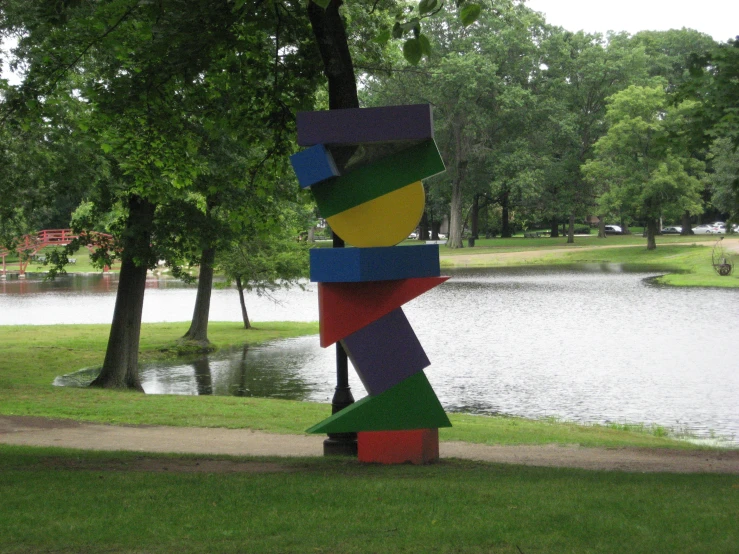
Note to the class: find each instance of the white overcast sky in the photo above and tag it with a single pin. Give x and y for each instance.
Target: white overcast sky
(717, 18)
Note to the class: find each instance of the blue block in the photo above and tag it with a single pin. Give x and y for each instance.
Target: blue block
(313, 165)
(385, 352)
(385, 263)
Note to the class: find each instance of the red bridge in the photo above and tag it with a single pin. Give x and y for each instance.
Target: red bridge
(31, 244)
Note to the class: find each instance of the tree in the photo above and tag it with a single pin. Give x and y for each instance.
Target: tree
(646, 171)
(582, 71)
(271, 260)
(154, 75)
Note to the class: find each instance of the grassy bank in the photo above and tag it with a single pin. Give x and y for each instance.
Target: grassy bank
(34, 355)
(686, 261)
(116, 502)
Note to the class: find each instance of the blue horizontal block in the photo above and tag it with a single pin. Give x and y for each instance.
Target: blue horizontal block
(366, 125)
(353, 265)
(313, 165)
(385, 352)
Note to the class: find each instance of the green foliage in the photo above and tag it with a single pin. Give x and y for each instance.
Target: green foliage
(265, 261)
(642, 167)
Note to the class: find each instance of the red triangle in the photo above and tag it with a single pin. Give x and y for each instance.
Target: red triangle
(344, 308)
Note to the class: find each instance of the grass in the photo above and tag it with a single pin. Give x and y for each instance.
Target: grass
(65, 501)
(34, 355)
(685, 260)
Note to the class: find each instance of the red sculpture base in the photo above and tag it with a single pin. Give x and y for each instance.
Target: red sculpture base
(417, 446)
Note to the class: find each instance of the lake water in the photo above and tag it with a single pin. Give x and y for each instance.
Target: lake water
(596, 344)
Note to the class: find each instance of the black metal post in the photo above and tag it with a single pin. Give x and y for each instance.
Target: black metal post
(341, 444)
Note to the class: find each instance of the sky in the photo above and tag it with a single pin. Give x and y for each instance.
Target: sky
(717, 18)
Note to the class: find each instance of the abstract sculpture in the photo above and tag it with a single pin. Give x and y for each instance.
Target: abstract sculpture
(374, 201)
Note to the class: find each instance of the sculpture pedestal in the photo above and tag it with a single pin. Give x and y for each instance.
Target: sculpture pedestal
(417, 446)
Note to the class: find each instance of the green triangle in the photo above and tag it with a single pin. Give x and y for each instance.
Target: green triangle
(411, 404)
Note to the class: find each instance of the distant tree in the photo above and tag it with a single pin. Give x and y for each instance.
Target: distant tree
(641, 163)
(269, 261)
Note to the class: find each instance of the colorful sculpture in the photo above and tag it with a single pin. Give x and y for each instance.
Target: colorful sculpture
(374, 202)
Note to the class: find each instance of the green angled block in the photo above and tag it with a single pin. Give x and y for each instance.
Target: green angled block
(411, 404)
(378, 178)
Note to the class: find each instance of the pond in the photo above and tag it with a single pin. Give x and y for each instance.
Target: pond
(588, 344)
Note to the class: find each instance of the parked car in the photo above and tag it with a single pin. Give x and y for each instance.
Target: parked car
(719, 229)
(703, 230)
(613, 230)
(672, 230)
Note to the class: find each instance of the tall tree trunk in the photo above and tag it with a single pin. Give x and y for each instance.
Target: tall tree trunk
(602, 227)
(311, 235)
(555, 228)
(120, 367)
(198, 331)
(686, 227)
(244, 315)
(330, 35)
(455, 219)
(455, 222)
(571, 229)
(505, 225)
(652, 225)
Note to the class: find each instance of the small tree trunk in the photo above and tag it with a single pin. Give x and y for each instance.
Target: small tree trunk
(120, 367)
(312, 235)
(571, 230)
(602, 228)
(555, 228)
(198, 331)
(244, 315)
(435, 229)
(423, 227)
(474, 223)
(686, 227)
(651, 234)
(505, 227)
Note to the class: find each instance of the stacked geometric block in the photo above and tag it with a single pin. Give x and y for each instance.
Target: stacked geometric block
(374, 202)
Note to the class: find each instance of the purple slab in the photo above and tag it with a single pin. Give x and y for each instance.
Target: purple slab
(313, 165)
(366, 125)
(385, 352)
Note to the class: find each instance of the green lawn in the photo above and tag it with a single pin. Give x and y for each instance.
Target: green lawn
(686, 261)
(66, 501)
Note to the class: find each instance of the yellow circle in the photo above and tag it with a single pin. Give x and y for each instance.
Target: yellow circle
(384, 221)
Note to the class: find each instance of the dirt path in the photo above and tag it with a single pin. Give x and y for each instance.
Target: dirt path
(731, 244)
(35, 431)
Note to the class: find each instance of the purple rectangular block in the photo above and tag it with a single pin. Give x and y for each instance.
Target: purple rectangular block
(385, 352)
(365, 125)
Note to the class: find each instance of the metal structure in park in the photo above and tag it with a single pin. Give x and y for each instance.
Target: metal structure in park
(722, 263)
(373, 202)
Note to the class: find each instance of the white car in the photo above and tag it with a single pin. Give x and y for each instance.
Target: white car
(613, 230)
(719, 229)
(703, 230)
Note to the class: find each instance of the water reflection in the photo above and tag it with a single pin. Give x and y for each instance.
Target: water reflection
(248, 371)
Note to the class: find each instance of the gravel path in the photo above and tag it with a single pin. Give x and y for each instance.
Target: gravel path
(36, 431)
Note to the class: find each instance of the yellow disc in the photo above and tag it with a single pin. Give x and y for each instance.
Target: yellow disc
(384, 221)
